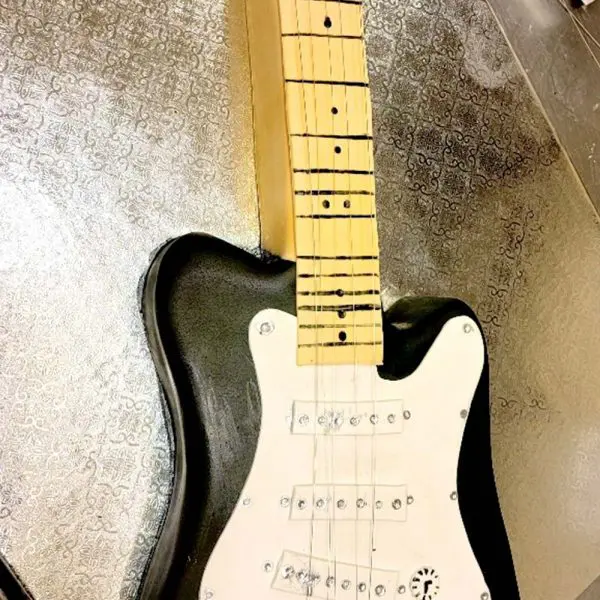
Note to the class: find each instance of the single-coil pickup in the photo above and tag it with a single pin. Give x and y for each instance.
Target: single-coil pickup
(349, 503)
(348, 418)
(309, 576)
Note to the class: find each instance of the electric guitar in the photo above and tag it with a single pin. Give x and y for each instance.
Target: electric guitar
(324, 447)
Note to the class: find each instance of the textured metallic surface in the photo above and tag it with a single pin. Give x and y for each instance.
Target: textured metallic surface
(559, 47)
(124, 123)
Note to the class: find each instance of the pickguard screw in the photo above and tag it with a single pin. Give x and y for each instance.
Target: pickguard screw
(410, 500)
(397, 504)
(320, 503)
(380, 590)
(301, 504)
(330, 581)
(341, 504)
(284, 502)
(246, 501)
(355, 421)
(287, 572)
(303, 420)
(268, 567)
(322, 420)
(402, 589)
(362, 587)
(266, 328)
(346, 584)
(374, 419)
(485, 596)
(392, 419)
(453, 496)
(208, 594)
(407, 415)
(361, 503)
(463, 414)
(467, 328)
(379, 504)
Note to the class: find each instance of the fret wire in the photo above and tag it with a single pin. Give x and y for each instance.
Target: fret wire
(335, 275)
(333, 171)
(336, 156)
(333, 217)
(345, 293)
(340, 344)
(359, 2)
(333, 193)
(324, 82)
(334, 137)
(338, 326)
(340, 307)
(324, 35)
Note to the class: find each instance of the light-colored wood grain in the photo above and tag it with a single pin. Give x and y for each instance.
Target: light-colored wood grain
(316, 58)
(327, 101)
(314, 158)
(335, 237)
(348, 204)
(331, 284)
(310, 109)
(339, 181)
(332, 153)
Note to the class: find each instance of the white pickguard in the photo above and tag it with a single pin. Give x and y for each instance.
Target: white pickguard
(356, 472)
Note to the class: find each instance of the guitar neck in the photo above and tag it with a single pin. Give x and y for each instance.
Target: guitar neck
(329, 122)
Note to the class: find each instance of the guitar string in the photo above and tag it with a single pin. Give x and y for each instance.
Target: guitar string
(347, 157)
(347, 161)
(313, 199)
(332, 541)
(374, 373)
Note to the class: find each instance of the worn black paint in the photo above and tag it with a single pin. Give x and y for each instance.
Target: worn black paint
(199, 298)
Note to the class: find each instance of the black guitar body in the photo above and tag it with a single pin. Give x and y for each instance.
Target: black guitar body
(11, 587)
(199, 297)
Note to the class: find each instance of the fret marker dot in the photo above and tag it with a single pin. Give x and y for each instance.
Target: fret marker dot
(340, 293)
(326, 204)
(343, 336)
(327, 22)
(341, 314)
(334, 110)
(347, 204)
(338, 150)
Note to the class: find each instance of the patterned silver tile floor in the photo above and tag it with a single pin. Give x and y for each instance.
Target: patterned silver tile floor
(125, 123)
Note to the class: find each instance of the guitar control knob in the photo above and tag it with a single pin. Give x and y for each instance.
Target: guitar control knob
(425, 584)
